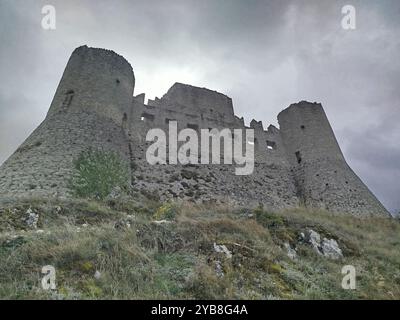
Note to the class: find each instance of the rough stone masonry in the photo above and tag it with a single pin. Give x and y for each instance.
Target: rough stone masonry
(298, 164)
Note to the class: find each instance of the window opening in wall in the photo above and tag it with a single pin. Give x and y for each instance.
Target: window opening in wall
(117, 81)
(271, 145)
(147, 117)
(302, 127)
(124, 122)
(68, 98)
(298, 157)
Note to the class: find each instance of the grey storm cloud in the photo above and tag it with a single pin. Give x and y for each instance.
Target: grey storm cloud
(264, 54)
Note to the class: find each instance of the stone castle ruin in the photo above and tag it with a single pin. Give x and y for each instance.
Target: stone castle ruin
(298, 164)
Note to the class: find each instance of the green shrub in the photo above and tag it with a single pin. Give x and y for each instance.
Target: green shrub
(268, 219)
(98, 173)
(167, 211)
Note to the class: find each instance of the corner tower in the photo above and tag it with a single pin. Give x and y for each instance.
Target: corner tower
(96, 81)
(88, 110)
(323, 178)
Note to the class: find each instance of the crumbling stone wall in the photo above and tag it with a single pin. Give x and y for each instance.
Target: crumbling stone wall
(43, 164)
(94, 107)
(270, 184)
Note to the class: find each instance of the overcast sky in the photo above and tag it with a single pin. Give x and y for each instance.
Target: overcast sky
(264, 54)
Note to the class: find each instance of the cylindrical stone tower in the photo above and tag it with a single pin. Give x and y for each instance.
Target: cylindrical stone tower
(95, 80)
(88, 111)
(323, 178)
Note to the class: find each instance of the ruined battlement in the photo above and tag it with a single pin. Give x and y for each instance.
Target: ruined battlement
(299, 163)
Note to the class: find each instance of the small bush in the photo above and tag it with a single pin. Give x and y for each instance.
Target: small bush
(268, 219)
(167, 211)
(98, 173)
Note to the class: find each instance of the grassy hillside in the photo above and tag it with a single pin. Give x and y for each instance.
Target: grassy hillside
(125, 250)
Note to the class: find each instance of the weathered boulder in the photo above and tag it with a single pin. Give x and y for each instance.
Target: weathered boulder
(292, 254)
(328, 248)
(32, 219)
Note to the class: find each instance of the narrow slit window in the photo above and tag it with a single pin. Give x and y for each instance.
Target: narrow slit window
(68, 98)
(298, 157)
